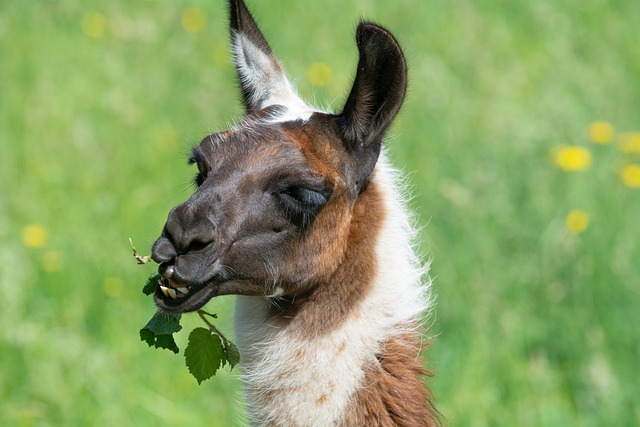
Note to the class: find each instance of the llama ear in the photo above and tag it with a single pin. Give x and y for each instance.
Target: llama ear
(378, 91)
(262, 80)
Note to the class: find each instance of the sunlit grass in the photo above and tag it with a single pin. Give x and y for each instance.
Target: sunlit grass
(520, 134)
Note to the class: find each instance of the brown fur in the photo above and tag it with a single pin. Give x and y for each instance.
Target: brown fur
(393, 392)
(327, 305)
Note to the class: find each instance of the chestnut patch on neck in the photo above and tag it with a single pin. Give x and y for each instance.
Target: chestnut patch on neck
(393, 393)
(328, 304)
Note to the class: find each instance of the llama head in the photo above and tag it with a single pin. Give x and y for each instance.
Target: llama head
(276, 195)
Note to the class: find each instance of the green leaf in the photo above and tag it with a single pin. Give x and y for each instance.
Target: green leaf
(159, 341)
(151, 284)
(148, 336)
(203, 354)
(167, 341)
(231, 355)
(163, 323)
(158, 331)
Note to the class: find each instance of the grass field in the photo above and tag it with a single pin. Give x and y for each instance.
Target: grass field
(520, 137)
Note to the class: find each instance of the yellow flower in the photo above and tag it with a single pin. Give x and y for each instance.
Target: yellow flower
(319, 74)
(572, 158)
(630, 142)
(577, 221)
(112, 286)
(193, 20)
(51, 261)
(601, 132)
(35, 236)
(630, 176)
(94, 25)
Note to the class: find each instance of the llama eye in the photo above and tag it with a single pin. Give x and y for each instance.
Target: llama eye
(301, 204)
(304, 196)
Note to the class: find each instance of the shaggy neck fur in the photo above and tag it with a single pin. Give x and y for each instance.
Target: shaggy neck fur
(359, 365)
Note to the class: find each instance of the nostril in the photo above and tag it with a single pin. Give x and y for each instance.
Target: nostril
(187, 230)
(198, 237)
(198, 245)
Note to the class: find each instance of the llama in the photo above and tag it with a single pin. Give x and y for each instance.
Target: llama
(298, 212)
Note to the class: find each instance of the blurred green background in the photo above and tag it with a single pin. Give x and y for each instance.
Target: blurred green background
(520, 137)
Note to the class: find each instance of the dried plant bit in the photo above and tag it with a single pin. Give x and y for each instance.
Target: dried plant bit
(141, 259)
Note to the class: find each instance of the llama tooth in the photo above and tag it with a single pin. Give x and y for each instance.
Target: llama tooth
(183, 291)
(172, 293)
(164, 290)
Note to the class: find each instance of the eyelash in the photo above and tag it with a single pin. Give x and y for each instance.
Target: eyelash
(306, 196)
(200, 176)
(198, 179)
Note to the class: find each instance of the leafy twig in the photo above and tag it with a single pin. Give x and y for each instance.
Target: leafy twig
(202, 314)
(207, 349)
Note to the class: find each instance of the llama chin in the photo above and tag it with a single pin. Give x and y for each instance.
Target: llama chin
(299, 214)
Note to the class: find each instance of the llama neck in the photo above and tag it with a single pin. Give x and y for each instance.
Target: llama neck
(313, 368)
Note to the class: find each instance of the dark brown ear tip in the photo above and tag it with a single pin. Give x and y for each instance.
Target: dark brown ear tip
(240, 18)
(371, 37)
(234, 13)
(242, 21)
(368, 27)
(369, 31)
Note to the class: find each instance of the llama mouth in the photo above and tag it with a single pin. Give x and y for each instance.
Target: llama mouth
(177, 297)
(173, 289)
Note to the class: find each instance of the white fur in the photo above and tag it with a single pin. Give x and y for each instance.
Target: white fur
(293, 381)
(269, 84)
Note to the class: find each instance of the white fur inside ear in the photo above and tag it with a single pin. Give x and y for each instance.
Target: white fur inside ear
(267, 84)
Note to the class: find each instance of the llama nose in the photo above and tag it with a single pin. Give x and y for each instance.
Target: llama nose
(188, 231)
